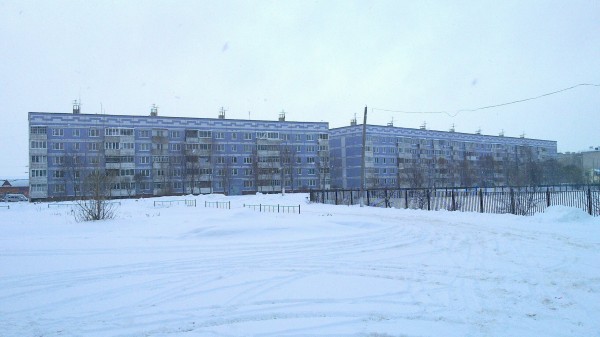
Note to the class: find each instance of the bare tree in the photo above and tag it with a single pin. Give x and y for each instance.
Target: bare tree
(96, 205)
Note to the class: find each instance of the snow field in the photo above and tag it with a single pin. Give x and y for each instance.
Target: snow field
(330, 271)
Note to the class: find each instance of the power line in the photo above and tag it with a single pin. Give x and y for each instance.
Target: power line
(456, 112)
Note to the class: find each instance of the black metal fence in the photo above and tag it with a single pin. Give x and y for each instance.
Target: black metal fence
(218, 204)
(520, 201)
(169, 203)
(274, 208)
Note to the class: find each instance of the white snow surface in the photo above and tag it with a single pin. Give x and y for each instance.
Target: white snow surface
(329, 271)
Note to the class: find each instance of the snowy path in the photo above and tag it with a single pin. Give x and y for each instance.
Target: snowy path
(331, 271)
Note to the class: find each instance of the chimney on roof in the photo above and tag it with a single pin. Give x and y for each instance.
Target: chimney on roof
(353, 121)
(423, 126)
(282, 116)
(391, 123)
(154, 110)
(452, 129)
(76, 107)
(222, 113)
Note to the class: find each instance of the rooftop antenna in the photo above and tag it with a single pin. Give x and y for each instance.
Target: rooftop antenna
(478, 132)
(353, 121)
(154, 110)
(76, 107)
(222, 113)
(501, 133)
(452, 129)
(523, 135)
(391, 123)
(282, 116)
(423, 126)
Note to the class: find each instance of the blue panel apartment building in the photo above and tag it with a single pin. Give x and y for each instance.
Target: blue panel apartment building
(403, 157)
(154, 155)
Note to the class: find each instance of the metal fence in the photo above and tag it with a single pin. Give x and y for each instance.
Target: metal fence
(218, 204)
(520, 201)
(169, 203)
(274, 208)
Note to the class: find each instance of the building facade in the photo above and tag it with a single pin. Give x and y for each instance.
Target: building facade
(403, 157)
(154, 155)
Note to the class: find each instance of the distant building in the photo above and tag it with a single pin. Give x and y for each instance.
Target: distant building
(153, 155)
(587, 161)
(403, 157)
(20, 186)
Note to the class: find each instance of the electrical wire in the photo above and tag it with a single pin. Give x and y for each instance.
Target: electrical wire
(456, 112)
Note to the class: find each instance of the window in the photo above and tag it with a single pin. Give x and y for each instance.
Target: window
(157, 146)
(234, 135)
(75, 146)
(247, 160)
(205, 134)
(234, 160)
(76, 133)
(94, 160)
(58, 146)
(310, 137)
(126, 172)
(219, 147)
(234, 172)
(233, 148)
(298, 137)
(311, 171)
(310, 148)
(93, 146)
(175, 147)
(248, 183)
(144, 172)
(247, 148)
(38, 130)
(144, 147)
(158, 133)
(126, 146)
(145, 160)
(58, 132)
(111, 145)
(111, 132)
(144, 133)
(38, 173)
(38, 144)
(219, 135)
(94, 133)
(310, 160)
(59, 160)
(58, 174)
(299, 171)
(175, 134)
(323, 136)
(60, 188)
(247, 172)
(38, 159)
(126, 132)
(38, 188)
(247, 136)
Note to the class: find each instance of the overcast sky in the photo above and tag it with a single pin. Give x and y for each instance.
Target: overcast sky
(317, 60)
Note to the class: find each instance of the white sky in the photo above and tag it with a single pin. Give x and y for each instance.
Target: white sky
(317, 60)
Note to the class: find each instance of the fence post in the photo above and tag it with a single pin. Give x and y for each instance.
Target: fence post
(405, 198)
(260, 207)
(323, 196)
(336, 198)
(368, 198)
(480, 201)
(428, 200)
(229, 205)
(589, 200)
(453, 200)
(277, 208)
(387, 202)
(298, 209)
(548, 196)
(512, 201)
(351, 197)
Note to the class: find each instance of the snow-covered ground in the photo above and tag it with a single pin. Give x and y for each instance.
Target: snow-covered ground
(329, 271)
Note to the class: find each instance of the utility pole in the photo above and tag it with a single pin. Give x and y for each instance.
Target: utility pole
(362, 165)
